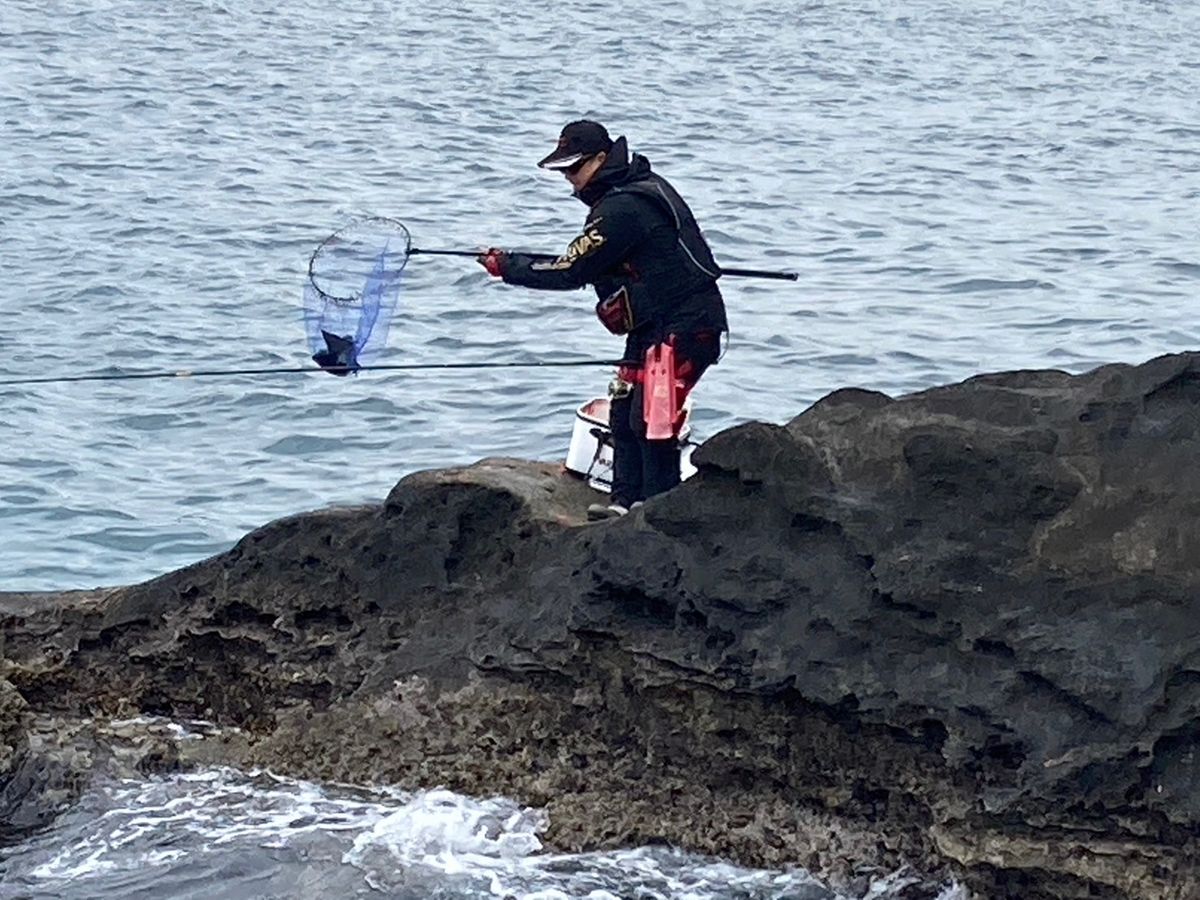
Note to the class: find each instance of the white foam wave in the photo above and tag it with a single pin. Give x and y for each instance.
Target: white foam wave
(449, 832)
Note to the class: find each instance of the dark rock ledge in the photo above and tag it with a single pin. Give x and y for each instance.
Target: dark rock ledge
(958, 630)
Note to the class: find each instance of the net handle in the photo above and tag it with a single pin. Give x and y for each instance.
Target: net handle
(413, 251)
(738, 273)
(410, 250)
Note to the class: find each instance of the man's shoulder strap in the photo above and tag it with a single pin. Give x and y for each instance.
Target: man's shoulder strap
(691, 240)
(658, 192)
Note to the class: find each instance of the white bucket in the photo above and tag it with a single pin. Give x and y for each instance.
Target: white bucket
(590, 453)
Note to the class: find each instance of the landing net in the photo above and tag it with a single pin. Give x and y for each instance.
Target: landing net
(352, 292)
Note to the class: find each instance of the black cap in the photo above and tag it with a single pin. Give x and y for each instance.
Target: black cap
(578, 140)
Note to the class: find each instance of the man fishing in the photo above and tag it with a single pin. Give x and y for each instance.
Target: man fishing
(656, 281)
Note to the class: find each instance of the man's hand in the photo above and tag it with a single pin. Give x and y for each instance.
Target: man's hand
(495, 261)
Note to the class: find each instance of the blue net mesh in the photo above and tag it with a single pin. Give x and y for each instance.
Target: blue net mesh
(352, 293)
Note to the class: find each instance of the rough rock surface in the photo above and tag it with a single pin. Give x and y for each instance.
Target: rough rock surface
(959, 629)
(14, 749)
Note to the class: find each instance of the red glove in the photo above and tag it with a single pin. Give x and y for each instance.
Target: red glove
(495, 261)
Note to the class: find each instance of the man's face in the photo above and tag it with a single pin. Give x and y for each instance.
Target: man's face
(584, 170)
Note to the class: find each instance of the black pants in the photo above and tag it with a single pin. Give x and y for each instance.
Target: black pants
(641, 467)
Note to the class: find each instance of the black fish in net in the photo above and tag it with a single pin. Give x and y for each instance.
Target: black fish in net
(340, 356)
(352, 292)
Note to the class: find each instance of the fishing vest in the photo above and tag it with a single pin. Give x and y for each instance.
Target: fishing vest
(699, 269)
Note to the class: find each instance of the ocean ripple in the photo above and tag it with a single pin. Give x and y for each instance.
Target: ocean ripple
(960, 190)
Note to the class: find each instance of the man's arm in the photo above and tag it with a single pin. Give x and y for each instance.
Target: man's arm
(611, 232)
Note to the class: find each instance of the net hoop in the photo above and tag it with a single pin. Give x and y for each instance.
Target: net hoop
(362, 226)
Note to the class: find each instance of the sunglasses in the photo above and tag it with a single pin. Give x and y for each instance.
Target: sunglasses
(574, 167)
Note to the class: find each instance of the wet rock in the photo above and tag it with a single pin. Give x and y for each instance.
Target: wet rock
(13, 724)
(38, 777)
(46, 761)
(956, 630)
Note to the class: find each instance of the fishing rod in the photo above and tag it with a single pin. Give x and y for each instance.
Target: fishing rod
(741, 273)
(300, 370)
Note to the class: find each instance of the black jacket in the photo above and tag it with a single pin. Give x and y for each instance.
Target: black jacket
(641, 235)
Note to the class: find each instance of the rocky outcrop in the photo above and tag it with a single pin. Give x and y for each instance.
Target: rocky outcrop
(959, 630)
(46, 761)
(14, 746)
(40, 775)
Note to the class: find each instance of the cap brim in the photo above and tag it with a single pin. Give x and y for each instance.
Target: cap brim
(561, 162)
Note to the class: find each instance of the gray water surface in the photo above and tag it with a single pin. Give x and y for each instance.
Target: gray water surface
(962, 188)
